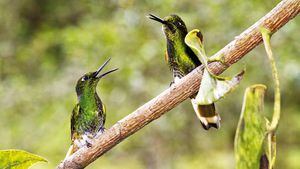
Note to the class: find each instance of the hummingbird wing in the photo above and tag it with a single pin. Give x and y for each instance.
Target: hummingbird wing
(193, 57)
(166, 57)
(102, 117)
(74, 134)
(74, 116)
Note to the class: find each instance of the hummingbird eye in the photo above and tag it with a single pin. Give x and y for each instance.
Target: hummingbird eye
(84, 78)
(178, 24)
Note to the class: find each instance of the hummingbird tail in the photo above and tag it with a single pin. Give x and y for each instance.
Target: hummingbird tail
(71, 150)
(207, 115)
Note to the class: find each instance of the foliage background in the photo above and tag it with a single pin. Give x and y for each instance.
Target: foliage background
(46, 45)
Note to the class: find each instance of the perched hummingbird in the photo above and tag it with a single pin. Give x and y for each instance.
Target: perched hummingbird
(88, 116)
(182, 60)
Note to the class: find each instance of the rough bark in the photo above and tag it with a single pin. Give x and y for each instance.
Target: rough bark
(177, 93)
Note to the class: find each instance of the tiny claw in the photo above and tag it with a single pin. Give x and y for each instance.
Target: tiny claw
(101, 130)
(172, 83)
(87, 140)
(88, 144)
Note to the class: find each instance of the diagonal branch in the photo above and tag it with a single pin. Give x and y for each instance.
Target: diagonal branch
(233, 52)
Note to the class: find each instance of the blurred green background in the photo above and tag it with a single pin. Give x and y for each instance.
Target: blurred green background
(45, 46)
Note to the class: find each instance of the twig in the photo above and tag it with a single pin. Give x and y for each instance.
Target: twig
(233, 52)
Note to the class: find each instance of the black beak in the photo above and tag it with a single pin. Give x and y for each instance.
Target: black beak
(96, 74)
(106, 73)
(156, 18)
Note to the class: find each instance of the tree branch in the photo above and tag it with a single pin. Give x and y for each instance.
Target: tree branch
(177, 93)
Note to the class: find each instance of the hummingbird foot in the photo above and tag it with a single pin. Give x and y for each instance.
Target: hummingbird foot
(79, 142)
(88, 144)
(87, 140)
(171, 84)
(176, 79)
(102, 130)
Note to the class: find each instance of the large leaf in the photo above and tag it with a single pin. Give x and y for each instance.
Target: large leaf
(18, 159)
(255, 142)
(212, 87)
(251, 131)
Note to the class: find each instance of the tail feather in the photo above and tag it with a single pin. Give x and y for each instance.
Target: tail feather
(73, 148)
(81, 141)
(70, 151)
(207, 115)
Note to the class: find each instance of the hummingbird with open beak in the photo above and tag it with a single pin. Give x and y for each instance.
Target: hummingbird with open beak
(88, 115)
(182, 60)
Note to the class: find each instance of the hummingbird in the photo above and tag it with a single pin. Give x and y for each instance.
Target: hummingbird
(182, 60)
(88, 115)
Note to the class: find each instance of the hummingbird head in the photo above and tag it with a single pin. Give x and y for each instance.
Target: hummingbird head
(88, 82)
(173, 26)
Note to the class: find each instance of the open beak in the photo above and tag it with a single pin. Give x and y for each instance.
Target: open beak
(156, 18)
(98, 76)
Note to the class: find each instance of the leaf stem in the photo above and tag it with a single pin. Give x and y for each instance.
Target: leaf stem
(266, 34)
(276, 115)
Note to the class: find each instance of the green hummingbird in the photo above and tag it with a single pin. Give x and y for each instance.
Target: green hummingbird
(182, 60)
(88, 115)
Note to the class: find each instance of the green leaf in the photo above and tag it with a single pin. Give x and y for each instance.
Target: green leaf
(213, 88)
(194, 40)
(251, 131)
(18, 159)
